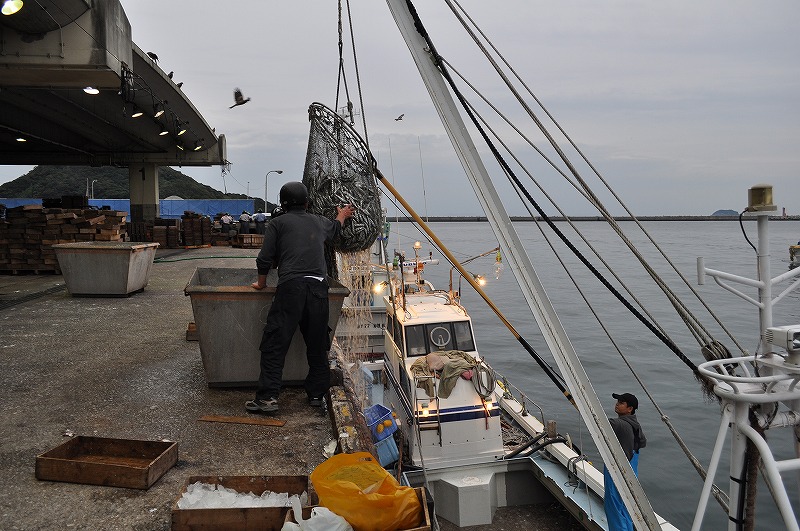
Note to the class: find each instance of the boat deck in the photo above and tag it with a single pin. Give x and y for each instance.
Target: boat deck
(122, 368)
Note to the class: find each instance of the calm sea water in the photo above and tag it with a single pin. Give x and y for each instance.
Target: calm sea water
(669, 480)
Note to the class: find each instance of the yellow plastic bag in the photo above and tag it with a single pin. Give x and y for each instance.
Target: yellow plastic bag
(356, 487)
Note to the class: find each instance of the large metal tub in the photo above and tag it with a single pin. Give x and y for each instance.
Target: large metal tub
(114, 269)
(230, 317)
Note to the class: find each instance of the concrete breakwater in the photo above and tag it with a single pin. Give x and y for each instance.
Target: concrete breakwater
(440, 219)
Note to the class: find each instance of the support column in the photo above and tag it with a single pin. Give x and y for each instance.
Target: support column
(143, 181)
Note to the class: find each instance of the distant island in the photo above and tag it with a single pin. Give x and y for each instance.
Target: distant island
(725, 213)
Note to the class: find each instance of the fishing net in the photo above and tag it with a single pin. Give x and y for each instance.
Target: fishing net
(340, 170)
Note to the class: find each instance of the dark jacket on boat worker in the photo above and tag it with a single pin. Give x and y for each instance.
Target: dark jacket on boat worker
(629, 433)
(297, 240)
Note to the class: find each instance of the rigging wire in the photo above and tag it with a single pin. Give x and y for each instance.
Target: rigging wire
(446, 75)
(718, 493)
(691, 321)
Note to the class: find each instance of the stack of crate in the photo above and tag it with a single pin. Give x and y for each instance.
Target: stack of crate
(30, 231)
(196, 229)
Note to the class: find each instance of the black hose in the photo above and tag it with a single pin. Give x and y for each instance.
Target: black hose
(524, 446)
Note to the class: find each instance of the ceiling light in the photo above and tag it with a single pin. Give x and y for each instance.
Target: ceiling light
(11, 6)
(158, 110)
(91, 90)
(20, 139)
(180, 146)
(198, 146)
(181, 130)
(163, 131)
(136, 112)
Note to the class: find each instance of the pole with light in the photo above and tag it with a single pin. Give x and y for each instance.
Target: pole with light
(266, 181)
(93, 181)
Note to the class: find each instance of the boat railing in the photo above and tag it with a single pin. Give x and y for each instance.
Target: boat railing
(752, 389)
(523, 399)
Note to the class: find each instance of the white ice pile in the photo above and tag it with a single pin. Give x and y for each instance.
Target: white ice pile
(200, 495)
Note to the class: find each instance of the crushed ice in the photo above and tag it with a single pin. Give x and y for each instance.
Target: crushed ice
(201, 495)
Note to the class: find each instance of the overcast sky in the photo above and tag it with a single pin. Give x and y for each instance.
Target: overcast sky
(680, 105)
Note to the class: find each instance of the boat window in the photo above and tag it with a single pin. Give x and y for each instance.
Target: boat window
(415, 339)
(397, 332)
(440, 336)
(464, 339)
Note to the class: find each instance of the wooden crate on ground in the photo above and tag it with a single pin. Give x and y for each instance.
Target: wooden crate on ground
(249, 241)
(244, 519)
(108, 462)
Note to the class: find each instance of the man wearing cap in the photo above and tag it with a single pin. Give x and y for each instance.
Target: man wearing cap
(631, 438)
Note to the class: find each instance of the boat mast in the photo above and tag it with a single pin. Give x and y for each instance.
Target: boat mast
(554, 334)
(742, 395)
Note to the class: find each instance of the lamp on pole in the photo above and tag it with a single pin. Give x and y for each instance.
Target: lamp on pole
(266, 181)
(93, 181)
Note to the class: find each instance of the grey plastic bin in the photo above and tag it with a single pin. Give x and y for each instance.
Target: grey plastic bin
(230, 317)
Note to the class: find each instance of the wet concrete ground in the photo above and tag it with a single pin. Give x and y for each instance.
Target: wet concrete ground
(122, 368)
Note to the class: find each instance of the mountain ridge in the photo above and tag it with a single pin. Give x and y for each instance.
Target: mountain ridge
(44, 182)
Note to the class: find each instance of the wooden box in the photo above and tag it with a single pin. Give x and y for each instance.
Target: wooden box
(109, 462)
(424, 517)
(239, 519)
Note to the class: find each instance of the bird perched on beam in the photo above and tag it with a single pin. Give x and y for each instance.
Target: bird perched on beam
(179, 85)
(238, 98)
(399, 117)
(152, 56)
(171, 73)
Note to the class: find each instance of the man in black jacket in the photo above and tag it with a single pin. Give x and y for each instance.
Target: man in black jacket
(631, 437)
(294, 242)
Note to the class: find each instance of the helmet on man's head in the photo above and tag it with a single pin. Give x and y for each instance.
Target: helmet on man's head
(293, 194)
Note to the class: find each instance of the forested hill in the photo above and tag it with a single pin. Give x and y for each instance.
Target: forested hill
(112, 183)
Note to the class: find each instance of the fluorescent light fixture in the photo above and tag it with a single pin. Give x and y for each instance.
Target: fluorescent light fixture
(20, 139)
(158, 110)
(11, 6)
(91, 90)
(163, 131)
(137, 112)
(198, 146)
(181, 129)
(180, 146)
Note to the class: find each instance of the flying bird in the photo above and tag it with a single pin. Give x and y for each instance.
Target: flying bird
(170, 74)
(399, 117)
(152, 56)
(239, 98)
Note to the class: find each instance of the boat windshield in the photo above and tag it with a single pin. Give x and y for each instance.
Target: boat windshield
(425, 338)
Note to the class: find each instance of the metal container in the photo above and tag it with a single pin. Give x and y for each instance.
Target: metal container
(105, 268)
(230, 316)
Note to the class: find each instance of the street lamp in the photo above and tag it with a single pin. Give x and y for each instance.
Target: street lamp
(266, 180)
(94, 181)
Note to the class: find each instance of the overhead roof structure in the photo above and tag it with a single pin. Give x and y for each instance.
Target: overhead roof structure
(50, 52)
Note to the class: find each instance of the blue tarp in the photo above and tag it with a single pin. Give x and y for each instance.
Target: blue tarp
(170, 208)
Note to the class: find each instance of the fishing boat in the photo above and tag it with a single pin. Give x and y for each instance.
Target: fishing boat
(473, 441)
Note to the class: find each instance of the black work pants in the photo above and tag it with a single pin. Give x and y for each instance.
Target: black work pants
(302, 303)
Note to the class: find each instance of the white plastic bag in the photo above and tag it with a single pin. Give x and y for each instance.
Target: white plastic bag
(322, 519)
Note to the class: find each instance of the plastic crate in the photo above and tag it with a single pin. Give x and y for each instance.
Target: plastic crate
(376, 416)
(387, 451)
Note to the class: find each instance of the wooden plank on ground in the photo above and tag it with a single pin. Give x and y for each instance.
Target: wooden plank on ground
(259, 421)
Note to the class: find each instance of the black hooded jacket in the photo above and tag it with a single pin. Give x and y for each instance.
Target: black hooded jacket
(629, 433)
